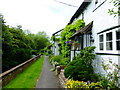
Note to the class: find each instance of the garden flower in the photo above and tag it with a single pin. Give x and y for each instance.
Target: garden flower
(69, 42)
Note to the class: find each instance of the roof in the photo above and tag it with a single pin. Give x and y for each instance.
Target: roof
(83, 30)
(57, 32)
(80, 10)
(77, 13)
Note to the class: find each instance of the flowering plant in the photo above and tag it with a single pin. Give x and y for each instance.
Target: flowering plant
(76, 84)
(81, 84)
(68, 42)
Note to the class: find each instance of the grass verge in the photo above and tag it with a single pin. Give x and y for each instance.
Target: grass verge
(28, 78)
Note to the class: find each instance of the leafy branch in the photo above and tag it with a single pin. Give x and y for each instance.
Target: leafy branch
(116, 10)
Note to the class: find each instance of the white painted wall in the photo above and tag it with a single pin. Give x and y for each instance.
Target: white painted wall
(56, 52)
(72, 55)
(101, 21)
(104, 58)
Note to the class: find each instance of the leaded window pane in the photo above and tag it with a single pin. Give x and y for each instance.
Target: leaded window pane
(101, 46)
(109, 36)
(109, 45)
(101, 38)
(118, 34)
(118, 45)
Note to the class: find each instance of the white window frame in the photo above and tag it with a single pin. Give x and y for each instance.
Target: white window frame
(109, 41)
(117, 39)
(114, 48)
(101, 42)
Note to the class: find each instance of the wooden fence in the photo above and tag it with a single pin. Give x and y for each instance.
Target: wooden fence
(9, 75)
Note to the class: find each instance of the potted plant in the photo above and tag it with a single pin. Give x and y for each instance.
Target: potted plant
(76, 44)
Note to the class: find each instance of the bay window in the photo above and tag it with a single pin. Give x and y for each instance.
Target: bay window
(109, 41)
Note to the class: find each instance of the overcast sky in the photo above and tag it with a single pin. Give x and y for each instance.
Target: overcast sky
(38, 15)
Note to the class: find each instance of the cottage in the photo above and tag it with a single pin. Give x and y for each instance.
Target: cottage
(55, 47)
(101, 30)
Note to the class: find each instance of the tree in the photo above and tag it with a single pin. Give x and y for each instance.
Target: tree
(116, 9)
(14, 47)
(42, 40)
(17, 46)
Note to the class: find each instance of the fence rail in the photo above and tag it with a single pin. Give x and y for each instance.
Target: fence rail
(9, 75)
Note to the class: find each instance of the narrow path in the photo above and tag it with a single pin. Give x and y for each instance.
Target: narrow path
(47, 79)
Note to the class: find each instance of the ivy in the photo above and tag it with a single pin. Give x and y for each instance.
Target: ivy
(55, 38)
(68, 31)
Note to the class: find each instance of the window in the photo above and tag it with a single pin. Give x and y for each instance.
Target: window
(109, 41)
(118, 40)
(81, 42)
(101, 42)
(98, 3)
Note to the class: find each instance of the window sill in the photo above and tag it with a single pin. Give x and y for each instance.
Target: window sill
(100, 53)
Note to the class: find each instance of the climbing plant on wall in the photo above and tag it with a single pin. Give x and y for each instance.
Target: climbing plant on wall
(68, 31)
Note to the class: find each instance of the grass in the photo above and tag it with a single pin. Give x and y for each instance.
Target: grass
(28, 78)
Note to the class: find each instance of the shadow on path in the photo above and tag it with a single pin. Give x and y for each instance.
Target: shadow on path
(47, 79)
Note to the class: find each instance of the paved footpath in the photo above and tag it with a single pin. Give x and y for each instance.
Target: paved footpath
(47, 79)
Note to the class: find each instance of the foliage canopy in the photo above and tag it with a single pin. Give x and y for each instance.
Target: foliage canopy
(17, 46)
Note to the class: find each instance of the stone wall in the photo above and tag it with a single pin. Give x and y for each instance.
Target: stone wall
(9, 75)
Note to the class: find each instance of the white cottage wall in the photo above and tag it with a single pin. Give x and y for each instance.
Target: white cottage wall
(104, 58)
(101, 21)
(56, 51)
(72, 55)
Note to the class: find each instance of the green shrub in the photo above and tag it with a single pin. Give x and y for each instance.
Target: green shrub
(111, 80)
(81, 67)
(50, 60)
(64, 61)
(95, 85)
(60, 60)
(57, 58)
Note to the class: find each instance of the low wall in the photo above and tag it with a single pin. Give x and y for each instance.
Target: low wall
(7, 76)
(62, 78)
